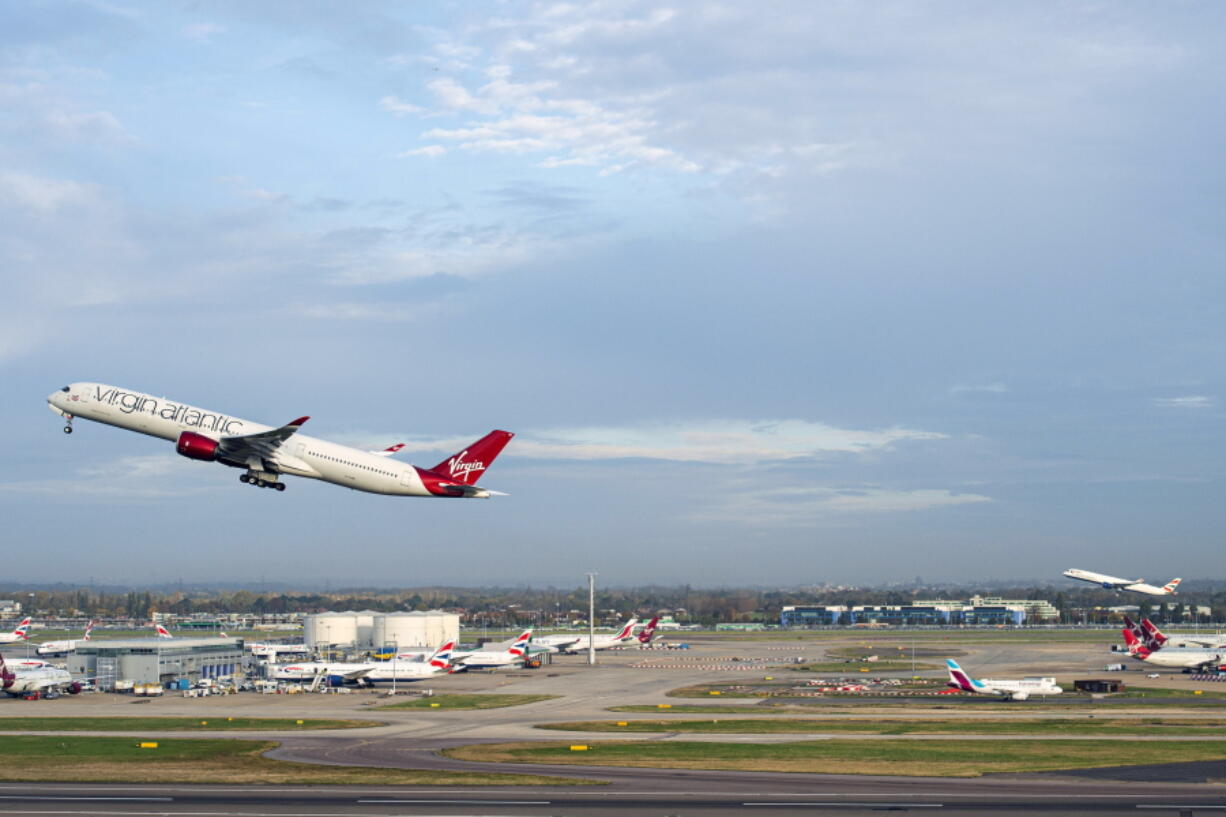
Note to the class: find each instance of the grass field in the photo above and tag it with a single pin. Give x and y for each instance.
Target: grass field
(204, 723)
(216, 760)
(929, 758)
(962, 726)
(467, 702)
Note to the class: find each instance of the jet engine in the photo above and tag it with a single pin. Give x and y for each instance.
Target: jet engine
(197, 446)
(74, 688)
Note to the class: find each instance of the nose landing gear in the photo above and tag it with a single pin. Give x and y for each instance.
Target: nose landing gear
(68, 426)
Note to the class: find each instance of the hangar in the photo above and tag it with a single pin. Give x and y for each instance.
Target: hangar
(156, 660)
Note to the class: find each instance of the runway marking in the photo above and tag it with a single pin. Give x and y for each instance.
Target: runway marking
(93, 798)
(457, 802)
(848, 804)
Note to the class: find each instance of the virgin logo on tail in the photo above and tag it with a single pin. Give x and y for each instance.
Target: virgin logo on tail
(162, 631)
(649, 631)
(89, 628)
(459, 470)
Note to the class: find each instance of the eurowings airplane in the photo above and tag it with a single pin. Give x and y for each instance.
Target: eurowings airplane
(1011, 690)
(21, 633)
(269, 453)
(1116, 583)
(64, 647)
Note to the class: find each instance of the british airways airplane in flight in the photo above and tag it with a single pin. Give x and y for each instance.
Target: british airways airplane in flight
(269, 453)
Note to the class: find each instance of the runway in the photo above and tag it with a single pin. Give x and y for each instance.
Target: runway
(680, 794)
(411, 738)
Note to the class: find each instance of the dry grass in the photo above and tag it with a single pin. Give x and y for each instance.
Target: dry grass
(927, 758)
(188, 760)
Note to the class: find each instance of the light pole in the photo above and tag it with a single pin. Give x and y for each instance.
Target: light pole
(591, 619)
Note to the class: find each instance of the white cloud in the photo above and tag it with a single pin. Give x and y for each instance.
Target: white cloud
(429, 150)
(140, 477)
(727, 442)
(202, 32)
(45, 195)
(395, 105)
(807, 504)
(1192, 401)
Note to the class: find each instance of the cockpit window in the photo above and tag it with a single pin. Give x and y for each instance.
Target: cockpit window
(64, 389)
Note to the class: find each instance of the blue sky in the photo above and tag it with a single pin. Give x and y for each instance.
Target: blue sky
(777, 293)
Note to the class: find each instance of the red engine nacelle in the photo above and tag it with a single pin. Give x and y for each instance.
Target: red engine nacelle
(197, 446)
(74, 688)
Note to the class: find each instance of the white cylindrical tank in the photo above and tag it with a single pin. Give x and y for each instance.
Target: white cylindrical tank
(323, 629)
(424, 629)
(366, 627)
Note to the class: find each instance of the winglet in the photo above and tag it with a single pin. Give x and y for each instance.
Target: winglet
(297, 423)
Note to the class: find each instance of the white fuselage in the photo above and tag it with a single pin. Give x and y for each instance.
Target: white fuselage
(37, 679)
(59, 647)
(301, 456)
(1116, 583)
(272, 651)
(362, 673)
(1181, 658)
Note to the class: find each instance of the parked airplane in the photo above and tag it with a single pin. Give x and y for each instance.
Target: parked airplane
(43, 679)
(649, 632)
(579, 643)
(1175, 657)
(21, 633)
(494, 659)
(1153, 638)
(273, 650)
(65, 647)
(367, 672)
(269, 453)
(1015, 690)
(1116, 583)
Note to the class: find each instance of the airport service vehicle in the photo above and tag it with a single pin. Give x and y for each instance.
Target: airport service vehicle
(494, 659)
(1116, 583)
(337, 674)
(576, 644)
(269, 453)
(1010, 690)
(21, 633)
(24, 679)
(1175, 657)
(67, 646)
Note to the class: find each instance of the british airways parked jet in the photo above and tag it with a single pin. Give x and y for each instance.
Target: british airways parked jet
(269, 453)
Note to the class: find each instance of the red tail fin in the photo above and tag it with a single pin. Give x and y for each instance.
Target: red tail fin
(649, 631)
(467, 466)
(1153, 636)
(1135, 647)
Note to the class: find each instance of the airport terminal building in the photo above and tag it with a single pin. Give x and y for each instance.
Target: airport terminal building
(156, 660)
(977, 611)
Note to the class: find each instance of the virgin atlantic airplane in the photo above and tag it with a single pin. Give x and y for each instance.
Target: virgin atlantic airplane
(269, 453)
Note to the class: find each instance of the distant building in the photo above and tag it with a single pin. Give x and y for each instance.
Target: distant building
(156, 660)
(8, 607)
(978, 610)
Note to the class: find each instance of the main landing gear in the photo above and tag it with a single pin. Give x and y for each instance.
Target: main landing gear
(257, 479)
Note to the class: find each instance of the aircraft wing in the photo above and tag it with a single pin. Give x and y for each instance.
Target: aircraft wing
(262, 444)
(357, 673)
